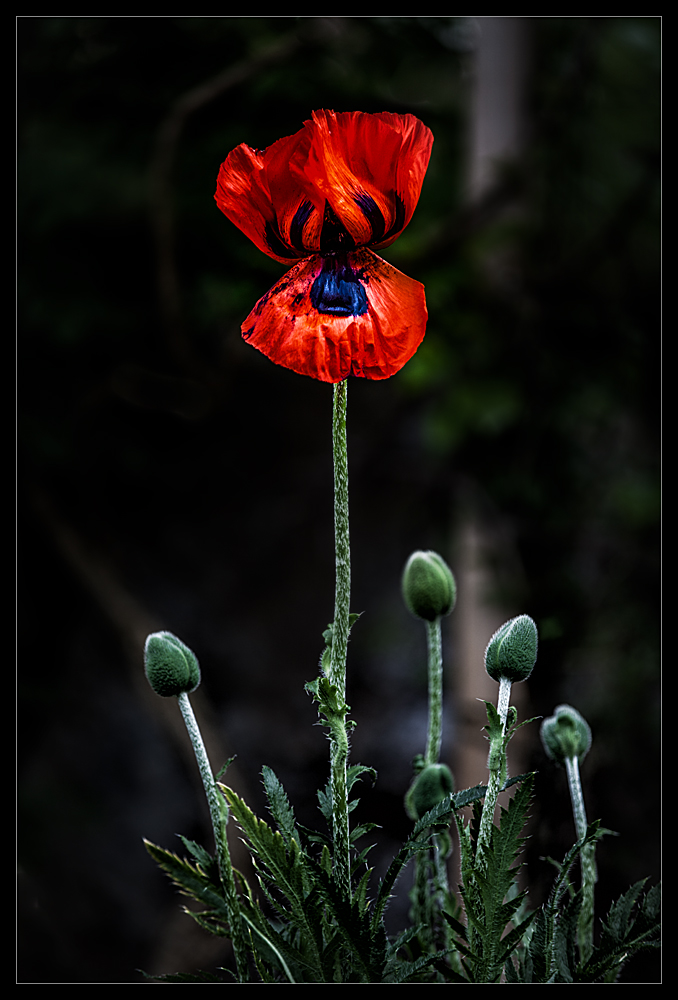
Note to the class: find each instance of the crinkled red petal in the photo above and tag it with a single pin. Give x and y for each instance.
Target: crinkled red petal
(287, 327)
(367, 168)
(257, 191)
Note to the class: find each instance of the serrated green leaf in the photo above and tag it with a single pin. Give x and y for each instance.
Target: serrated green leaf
(367, 943)
(511, 940)
(632, 925)
(203, 857)
(494, 726)
(222, 770)
(360, 892)
(540, 949)
(190, 880)
(651, 907)
(325, 804)
(418, 840)
(279, 806)
(360, 861)
(208, 922)
(330, 703)
(360, 831)
(619, 922)
(273, 943)
(355, 773)
(455, 924)
(514, 781)
(404, 971)
(468, 796)
(486, 889)
(551, 949)
(564, 952)
(326, 860)
(287, 868)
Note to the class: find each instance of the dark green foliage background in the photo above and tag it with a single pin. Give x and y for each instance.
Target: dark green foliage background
(200, 474)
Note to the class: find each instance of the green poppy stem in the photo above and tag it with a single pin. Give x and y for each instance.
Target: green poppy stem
(503, 700)
(219, 816)
(435, 691)
(497, 771)
(339, 736)
(587, 857)
(431, 885)
(342, 594)
(434, 742)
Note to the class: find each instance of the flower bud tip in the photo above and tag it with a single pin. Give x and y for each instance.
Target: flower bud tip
(433, 784)
(512, 651)
(565, 734)
(428, 586)
(171, 667)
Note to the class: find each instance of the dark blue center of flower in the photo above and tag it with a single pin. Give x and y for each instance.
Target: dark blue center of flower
(338, 291)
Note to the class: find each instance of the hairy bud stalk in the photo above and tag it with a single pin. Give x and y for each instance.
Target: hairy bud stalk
(510, 656)
(566, 738)
(172, 670)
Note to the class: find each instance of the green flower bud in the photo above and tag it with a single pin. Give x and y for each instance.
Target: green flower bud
(429, 590)
(512, 650)
(566, 733)
(171, 668)
(430, 787)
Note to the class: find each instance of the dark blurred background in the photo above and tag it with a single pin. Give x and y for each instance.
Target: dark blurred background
(171, 477)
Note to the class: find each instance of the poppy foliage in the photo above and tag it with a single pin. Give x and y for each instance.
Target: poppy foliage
(323, 200)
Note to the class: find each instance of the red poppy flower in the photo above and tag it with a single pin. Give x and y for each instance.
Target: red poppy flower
(323, 199)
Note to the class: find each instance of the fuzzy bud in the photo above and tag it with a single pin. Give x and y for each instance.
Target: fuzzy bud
(429, 590)
(512, 650)
(566, 734)
(430, 787)
(171, 668)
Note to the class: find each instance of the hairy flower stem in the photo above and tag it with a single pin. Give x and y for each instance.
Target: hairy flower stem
(434, 738)
(342, 593)
(588, 863)
(503, 700)
(431, 883)
(219, 816)
(497, 767)
(435, 692)
(339, 735)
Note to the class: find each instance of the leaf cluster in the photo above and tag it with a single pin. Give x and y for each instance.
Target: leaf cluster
(305, 926)
(302, 927)
(551, 955)
(489, 891)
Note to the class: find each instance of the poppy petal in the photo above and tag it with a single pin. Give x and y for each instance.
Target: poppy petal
(369, 168)
(257, 191)
(347, 314)
(345, 180)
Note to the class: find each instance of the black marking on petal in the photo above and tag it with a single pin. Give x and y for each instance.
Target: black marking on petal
(334, 235)
(399, 220)
(338, 291)
(276, 243)
(373, 214)
(298, 223)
